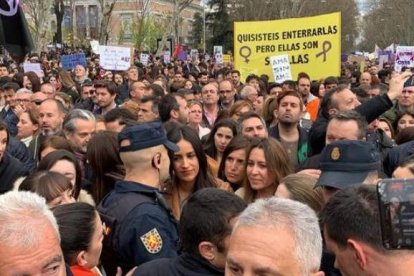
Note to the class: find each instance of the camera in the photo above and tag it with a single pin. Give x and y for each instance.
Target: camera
(396, 207)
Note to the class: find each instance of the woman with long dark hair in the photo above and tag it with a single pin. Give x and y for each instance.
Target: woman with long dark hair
(189, 168)
(65, 163)
(81, 235)
(219, 137)
(103, 156)
(54, 187)
(232, 165)
(267, 163)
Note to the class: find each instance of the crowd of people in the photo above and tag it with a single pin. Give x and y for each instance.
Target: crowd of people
(186, 169)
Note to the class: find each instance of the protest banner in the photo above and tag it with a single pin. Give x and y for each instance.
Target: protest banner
(404, 57)
(33, 67)
(281, 68)
(144, 58)
(70, 61)
(115, 58)
(312, 43)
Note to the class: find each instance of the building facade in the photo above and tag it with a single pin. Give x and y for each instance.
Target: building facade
(82, 19)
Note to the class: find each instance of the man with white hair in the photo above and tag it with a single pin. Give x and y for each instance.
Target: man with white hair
(23, 96)
(29, 236)
(275, 236)
(79, 127)
(249, 93)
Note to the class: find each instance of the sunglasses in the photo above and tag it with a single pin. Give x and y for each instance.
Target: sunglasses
(38, 102)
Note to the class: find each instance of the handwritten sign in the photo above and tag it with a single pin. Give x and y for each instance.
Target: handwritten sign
(33, 67)
(281, 68)
(70, 61)
(115, 58)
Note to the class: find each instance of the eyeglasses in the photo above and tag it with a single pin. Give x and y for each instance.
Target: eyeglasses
(22, 100)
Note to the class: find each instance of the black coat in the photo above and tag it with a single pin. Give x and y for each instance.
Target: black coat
(398, 155)
(10, 170)
(22, 153)
(183, 265)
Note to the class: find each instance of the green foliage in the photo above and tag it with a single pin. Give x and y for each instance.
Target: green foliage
(197, 31)
(219, 26)
(145, 32)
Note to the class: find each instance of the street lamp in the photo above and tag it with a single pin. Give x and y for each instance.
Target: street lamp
(204, 27)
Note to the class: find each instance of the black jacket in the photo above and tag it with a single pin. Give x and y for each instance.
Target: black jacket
(371, 110)
(398, 155)
(302, 143)
(10, 170)
(184, 265)
(18, 150)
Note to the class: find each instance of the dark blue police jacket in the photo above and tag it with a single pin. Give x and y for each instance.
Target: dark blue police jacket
(183, 265)
(148, 232)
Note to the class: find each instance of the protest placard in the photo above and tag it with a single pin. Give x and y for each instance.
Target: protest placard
(70, 61)
(218, 54)
(167, 57)
(404, 57)
(226, 58)
(144, 58)
(33, 67)
(312, 43)
(281, 68)
(115, 58)
(357, 59)
(194, 54)
(95, 46)
(382, 59)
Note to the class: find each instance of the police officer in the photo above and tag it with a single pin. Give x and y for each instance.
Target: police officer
(138, 223)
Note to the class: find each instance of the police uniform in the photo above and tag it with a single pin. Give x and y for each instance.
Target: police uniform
(139, 226)
(147, 232)
(184, 265)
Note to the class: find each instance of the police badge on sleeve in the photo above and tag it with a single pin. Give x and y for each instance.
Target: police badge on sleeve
(152, 241)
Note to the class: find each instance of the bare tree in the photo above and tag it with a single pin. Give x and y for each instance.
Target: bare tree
(349, 18)
(389, 21)
(173, 24)
(59, 10)
(39, 12)
(106, 6)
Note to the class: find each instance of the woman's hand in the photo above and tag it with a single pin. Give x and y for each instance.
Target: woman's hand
(223, 185)
(311, 172)
(119, 271)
